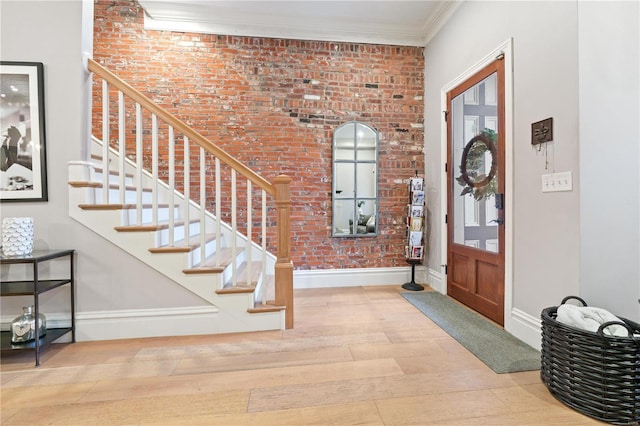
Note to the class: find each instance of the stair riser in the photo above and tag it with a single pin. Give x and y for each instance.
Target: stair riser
(130, 197)
(227, 274)
(195, 256)
(114, 179)
(130, 216)
(162, 236)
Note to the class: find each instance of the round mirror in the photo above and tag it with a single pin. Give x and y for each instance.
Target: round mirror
(476, 156)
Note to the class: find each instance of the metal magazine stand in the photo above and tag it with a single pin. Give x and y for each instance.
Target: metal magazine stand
(414, 249)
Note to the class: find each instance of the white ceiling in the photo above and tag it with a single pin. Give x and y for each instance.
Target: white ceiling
(395, 22)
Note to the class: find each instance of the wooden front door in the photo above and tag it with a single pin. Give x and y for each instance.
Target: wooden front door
(475, 181)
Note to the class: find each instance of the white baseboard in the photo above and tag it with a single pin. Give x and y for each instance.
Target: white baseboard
(108, 325)
(526, 328)
(353, 277)
(128, 324)
(436, 282)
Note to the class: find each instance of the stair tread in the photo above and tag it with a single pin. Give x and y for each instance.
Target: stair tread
(270, 306)
(181, 246)
(210, 265)
(150, 227)
(236, 290)
(118, 206)
(95, 184)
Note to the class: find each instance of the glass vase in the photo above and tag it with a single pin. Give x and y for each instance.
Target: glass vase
(23, 328)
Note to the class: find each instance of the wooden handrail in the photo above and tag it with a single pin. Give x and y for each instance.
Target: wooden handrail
(279, 189)
(179, 125)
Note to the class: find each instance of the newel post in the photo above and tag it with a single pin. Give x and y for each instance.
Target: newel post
(284, 266)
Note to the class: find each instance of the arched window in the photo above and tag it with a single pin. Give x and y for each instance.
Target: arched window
(355, 180)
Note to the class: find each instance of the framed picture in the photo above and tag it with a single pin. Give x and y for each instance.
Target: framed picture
(23, 171)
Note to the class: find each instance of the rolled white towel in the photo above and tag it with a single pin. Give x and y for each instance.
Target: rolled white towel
(590, 318)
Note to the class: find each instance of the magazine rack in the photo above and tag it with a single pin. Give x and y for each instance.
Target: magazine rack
(414, 249)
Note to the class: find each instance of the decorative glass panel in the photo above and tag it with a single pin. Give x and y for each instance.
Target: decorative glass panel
(474, 150)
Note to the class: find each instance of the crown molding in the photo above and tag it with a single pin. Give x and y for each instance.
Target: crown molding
(381, 35)
(437, 19)
(347, 22)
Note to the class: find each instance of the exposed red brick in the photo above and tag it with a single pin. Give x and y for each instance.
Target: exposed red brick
(247, 95)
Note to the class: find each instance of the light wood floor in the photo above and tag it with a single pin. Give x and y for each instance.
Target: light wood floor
(356, 356)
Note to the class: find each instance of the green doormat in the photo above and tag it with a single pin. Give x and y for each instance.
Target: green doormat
(502, 352)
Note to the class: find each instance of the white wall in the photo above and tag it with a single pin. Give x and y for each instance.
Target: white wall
(610, 156)
(545, 66)
(578, 63)
(51, 32)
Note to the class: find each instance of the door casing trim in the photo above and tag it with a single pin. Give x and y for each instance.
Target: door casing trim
(505, 49)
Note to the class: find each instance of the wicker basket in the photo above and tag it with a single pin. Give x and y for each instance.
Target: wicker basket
(596, 375)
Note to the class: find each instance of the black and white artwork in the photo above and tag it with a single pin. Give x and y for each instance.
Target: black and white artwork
(23, 174)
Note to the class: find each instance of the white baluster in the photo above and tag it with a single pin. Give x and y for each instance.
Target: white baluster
(203, 206)
(248, 245)
(121, 145)
(105, 142)
(187, 190)
(172, 172)
(264, 247)
(154, 167)
(218, 215)
(234, 229)
(139, 131)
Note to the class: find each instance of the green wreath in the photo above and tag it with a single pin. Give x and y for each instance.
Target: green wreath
(480, 185)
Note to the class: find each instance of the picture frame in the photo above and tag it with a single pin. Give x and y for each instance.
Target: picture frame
(23, 171)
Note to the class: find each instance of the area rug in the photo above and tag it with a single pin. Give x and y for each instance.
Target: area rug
(498, 349)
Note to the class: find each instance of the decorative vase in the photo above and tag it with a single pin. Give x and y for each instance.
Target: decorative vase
(23, 328)
(17, 236)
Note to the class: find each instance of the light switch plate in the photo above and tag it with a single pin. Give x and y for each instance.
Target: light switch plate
(563, 181)
(555, 182)
(547, 183)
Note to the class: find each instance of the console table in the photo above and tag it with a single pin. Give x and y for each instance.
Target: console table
(35, 287)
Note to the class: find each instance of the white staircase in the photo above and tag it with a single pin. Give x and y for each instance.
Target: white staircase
(148, 218)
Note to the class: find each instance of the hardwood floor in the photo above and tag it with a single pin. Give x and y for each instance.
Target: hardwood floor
(358, 355)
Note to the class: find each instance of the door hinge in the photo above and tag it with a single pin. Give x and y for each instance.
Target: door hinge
(446, 115)
(446, 218)
(500, 57)
(445, 167)
(446, 268)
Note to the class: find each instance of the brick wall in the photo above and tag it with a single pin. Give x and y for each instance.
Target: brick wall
(251, 96)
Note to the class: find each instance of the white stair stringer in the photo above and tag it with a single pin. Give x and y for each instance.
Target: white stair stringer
(233, 315)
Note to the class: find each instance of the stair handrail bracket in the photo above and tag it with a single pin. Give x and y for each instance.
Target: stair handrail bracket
(185, 212)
